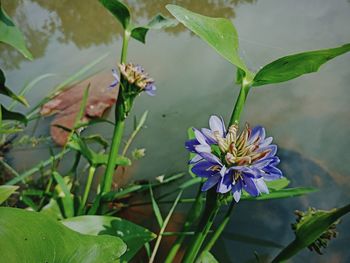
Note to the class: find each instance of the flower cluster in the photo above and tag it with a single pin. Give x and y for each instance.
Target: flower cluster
(232, 161)
(136, 76)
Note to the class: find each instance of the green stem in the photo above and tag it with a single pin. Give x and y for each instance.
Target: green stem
(220, 229)
(207, 220)
(191, 217)
(237, 110)
(92, 170)
(292, 249)
(113, 154)
(166, 221)
(119, 125)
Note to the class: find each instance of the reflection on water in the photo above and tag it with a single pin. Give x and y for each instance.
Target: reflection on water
(89, 24)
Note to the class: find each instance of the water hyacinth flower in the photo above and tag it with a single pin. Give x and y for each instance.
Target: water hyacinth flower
(136, 75)
(234, 161)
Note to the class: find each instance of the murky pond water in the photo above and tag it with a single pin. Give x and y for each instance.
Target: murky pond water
(308, 117)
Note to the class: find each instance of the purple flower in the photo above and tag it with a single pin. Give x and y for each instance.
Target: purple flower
(138, 78)
(234, 161)
(116, 79)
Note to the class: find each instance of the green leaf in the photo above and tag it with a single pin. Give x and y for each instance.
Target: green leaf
(157, 22)
(278, 194)
(11, 35)
(309, 228)
(133, 235)
(52, 209)
(156, 209)
(12, 115)
(6, 191)
(34, 237)
(219, 33)
(119, 10)
(293, 66)
(64, 194)
(7, 92)
(278, 184)
(206, 257)
(95, 159)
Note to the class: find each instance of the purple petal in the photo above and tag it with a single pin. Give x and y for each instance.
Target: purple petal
(200, 137)
(190, 144)
(225, 184)
(213, 180)
(204, 169)
(195, 159)
(202, 148)
(262, 187)
(211, 158)
(217, 124)
(237, 191)
(250, 187)
(150, 89)
(209, 135)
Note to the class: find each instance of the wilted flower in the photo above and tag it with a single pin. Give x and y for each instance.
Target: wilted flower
(116, 79)
(137, 76)
(234, 161)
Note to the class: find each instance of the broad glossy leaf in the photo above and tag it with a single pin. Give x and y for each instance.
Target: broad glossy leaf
(206, 257)
(34, 237)
(219, 33)
(11, 35)
(6, 191)
(12, 115)
(133, 235)
(119, 10)
(293, 66)
(157, 22)
(7, 92)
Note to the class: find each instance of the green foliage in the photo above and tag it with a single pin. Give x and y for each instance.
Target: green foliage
(158, 22)
(133, 235)
(219, 33)
(310, 227)
(7, 92)
(11, 35)
(206, 257)
(12, 115)
(293, 66)
(119, 10)
(63, 194)
(156, 209)
(6, 191)
(34, 237)
(278, 194)
(95, 159)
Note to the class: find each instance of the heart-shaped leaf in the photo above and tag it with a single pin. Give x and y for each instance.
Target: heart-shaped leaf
(219, 33)
(133, 235)
(119, 10)
(34, 237)
(293, 66)
(11, 35)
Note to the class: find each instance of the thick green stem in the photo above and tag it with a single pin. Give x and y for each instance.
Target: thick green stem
(113, 154)
(92, 170)
(236, 114)
(220, 229)
(119, 125)
(207, 220)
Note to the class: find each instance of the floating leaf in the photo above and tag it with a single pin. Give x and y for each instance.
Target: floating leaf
(6, 191)
(133, 235)
(157, 22)
(11, 35)
(7, 92)
(219, 33)
(12, 115)
(34, 237)
(293, 66)
(119, 10)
